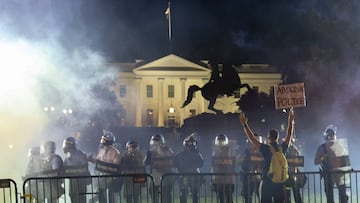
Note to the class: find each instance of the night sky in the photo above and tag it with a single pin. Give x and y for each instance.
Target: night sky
(278, 32)
(311, 41)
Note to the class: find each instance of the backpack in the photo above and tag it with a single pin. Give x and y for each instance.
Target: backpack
(278, 171)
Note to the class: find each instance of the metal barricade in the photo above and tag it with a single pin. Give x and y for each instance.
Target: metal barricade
(343, 186)
(82, 189)
(8, 191)
(201, 187)
(205, 188)
(185, 187)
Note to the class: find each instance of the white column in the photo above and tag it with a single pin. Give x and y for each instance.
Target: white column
(138, 103)
(161, 103)
(183, 94)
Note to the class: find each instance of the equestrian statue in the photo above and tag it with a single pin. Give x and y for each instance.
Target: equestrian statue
(219, 84)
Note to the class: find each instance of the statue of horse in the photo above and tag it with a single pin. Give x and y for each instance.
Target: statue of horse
(226, 84)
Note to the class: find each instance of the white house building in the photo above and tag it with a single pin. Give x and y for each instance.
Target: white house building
(152, 93)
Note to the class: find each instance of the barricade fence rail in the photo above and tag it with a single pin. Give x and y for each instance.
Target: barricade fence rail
(82, 189)
(178, 188)
(8, 191)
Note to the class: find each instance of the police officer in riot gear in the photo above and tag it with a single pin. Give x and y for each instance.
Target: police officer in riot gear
(34, 163)
(33, 169)
(51, 166)
(333, 158)
(251, 163)
(297, 180)
(75, 164)
(132, 163)
(160, 159)
(189, 160)
(223, 161)
(107, 162)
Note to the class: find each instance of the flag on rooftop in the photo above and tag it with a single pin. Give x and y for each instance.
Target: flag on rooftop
(167, 12)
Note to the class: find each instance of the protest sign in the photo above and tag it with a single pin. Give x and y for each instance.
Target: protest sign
(290, 95)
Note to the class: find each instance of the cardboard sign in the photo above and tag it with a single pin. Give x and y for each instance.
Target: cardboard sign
(291, 95)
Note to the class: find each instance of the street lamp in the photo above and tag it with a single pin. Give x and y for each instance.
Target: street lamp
(171, 108)
(67, 111)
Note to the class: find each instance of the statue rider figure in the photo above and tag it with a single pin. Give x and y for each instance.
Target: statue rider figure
(226, 79)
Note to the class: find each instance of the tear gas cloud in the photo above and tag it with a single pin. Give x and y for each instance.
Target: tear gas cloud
(332, 95)
(38, 71)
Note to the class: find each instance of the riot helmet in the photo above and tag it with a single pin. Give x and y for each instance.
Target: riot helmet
(190, 142)
(330, 132)
(157, 140)
(69, 144)
(34, 151)
(107, 138)
(221, 140)
(48, 147)
(132, 146)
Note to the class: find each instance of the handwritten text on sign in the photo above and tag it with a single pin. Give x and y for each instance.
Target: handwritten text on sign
(292, 95)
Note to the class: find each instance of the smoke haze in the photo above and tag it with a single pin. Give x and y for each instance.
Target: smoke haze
(38, 71)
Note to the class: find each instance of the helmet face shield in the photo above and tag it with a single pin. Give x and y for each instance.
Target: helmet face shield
(330, 132)
(132, 146)
(221, 140)
(107, 139)
(190, 143)
(69, 144)
(157, 141)
(48, 147)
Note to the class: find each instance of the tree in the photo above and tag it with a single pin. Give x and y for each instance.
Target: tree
(261, 112)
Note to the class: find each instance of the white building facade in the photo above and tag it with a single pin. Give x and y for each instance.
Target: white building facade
(153, 93)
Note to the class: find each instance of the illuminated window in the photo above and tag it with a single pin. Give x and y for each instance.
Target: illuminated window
(149, 117)
(122, 91)
(171, 91)
(149, 91)
(192, 113)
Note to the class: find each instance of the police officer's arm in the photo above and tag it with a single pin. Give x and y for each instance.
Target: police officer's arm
(199, 161)
(248, 131)
(319, 156)
(57, 163)
(147, 159)
(290, 130)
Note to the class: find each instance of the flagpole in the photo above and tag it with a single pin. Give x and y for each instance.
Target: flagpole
(168, 13)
